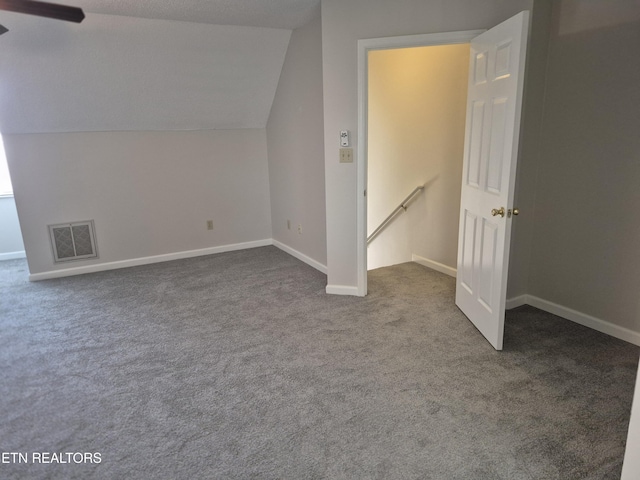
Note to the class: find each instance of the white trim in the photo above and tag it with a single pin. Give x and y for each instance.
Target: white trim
(343, 290)
(433, 265)
(584, 319)
(587, 320)
(301, 256)
(134, 262)
(564, 312)
(420, 40)
(12, 255)
(516, 302)
(364, 46)
(631, 462)
(361, 170)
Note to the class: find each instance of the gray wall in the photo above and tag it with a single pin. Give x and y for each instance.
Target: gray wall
(586, 231)
(528, 159)
(150, 193)
(296, 148)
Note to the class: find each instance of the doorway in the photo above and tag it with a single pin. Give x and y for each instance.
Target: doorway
(366, 51)
(416, 125)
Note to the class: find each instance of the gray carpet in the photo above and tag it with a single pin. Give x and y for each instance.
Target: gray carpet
(239, 366)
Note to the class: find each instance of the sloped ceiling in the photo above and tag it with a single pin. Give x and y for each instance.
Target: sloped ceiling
(128, 70)
(285, 14)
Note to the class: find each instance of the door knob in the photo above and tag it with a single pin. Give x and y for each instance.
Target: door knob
(513, 212)
(495, 212)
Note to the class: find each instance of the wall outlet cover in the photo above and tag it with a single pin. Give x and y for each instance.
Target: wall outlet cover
(346, 155)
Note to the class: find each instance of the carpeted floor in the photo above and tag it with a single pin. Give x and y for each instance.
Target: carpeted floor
(239, 366)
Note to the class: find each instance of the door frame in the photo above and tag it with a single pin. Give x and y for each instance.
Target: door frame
(362, 159)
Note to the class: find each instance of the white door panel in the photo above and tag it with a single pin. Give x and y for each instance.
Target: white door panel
(494, 104)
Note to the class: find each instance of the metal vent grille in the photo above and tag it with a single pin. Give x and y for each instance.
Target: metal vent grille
(73, 241)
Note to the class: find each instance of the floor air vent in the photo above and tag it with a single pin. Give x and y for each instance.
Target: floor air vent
(73, 241)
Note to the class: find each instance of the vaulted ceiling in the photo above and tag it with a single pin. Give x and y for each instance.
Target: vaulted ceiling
(146, 65)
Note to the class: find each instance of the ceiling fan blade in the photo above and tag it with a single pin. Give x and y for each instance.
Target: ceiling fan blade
(3, 29)
(43, 9)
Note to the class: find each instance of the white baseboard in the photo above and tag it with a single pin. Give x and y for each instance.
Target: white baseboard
(342, 290)
(12, 255)
(516, 302)
(301, 256)
(598, 324)
(135, 262)
(433, 265)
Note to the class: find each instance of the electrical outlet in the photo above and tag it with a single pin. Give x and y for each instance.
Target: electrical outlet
(299, 229)
(209, 224)
(346, 155)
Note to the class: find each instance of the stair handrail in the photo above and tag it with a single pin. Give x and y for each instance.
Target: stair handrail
(403, 206)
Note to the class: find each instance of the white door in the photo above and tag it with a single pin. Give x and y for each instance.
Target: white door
(494, 104)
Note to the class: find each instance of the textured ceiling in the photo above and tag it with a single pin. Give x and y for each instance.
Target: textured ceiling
(146, 65)
(286, 14)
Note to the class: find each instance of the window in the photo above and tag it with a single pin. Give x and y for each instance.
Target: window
(5, 179)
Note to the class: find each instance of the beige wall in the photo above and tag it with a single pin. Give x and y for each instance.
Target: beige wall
(343, 23)
(296, 148)
(150, 193)
(586, 233)
(417, 106)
